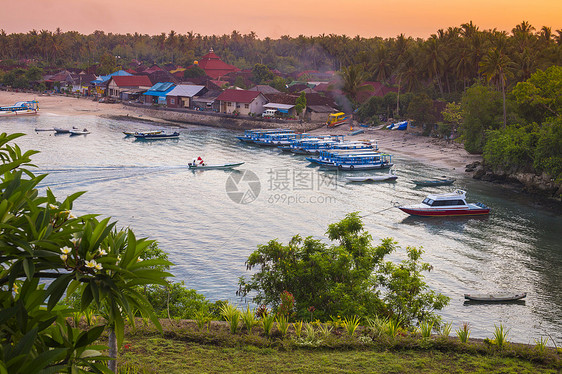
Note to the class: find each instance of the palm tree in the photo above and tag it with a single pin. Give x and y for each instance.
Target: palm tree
(382, 68)
(496, 65)
(353, 77)
(435, 60)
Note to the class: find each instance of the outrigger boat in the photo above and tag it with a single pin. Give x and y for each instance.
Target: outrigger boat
(161, 135)
(497, 297)
(20, 108)
(447, 204)
(336, 119)
(374, 178)
(194, 166)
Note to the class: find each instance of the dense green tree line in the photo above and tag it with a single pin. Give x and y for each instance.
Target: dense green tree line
(448, 61)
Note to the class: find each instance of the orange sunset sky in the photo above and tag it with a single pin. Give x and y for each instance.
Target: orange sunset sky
(366, 18)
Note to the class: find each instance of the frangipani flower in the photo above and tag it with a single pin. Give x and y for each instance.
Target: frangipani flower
(91, 264)
(64, 257)
(139, 259)
(53, 206)
(102, 252)
(65, 250)
(98, 266)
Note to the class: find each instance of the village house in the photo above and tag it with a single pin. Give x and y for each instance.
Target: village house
(207, 101)
(157, 93)
(121, 87)
(181, 96)
(241, 101)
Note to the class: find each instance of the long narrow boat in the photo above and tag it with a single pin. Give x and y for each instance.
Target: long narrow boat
(159, 136)
(374, 178)
(209, 167)
(447, 204)
(20, 108)
(133, 133)
(497, 297)
(435, 182)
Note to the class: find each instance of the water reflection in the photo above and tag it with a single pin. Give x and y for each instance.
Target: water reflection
(147, 186)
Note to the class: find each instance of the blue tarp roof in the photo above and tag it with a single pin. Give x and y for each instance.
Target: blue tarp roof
(105, 78)
(160, 89)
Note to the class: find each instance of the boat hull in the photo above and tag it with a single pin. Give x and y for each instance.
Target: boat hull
(429, 183)
(214, 167)
(8, 113)
(445, 212)
(372, 179)
(174, 135)
(495, 297)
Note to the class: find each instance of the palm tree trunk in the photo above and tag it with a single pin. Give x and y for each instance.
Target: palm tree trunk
(398, 97)
(504, 109)
(112, 364)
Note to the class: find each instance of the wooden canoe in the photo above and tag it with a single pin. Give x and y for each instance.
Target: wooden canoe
(497, 297)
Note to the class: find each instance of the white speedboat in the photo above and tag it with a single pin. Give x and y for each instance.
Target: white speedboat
(447, 204)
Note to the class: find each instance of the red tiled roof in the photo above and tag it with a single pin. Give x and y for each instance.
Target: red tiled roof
(238, 96)
(214, 67)
(132, 81)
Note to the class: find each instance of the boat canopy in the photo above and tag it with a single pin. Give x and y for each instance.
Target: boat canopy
(279, 107)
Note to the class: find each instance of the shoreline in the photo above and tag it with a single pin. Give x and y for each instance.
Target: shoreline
(436, 152)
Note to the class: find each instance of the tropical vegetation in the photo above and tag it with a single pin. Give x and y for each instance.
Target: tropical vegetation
(349, 278)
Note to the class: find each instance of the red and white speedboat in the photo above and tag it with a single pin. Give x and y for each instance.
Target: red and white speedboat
(447, 204)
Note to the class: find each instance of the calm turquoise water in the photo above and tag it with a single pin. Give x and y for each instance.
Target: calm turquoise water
(146, 186)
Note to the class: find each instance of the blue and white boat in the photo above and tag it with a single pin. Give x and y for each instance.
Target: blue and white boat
(278, 140)
(353, 160)
(250, 136)
(20, 108)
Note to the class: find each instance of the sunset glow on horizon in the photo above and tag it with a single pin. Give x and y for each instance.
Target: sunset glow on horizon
(309, 17)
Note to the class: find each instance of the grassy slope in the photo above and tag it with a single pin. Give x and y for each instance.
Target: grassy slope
(185, 349)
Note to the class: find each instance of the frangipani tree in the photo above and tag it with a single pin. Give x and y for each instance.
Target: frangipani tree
(46, 253)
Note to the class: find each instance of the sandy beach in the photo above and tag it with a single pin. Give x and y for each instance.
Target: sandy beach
(451, 157)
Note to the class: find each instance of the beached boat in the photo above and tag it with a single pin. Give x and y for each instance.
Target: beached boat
(38, 129)
(447, 204)
(336, 119)
(444, 181)
(195, 166)
(79, 132)
(159, 136)
(374, 178)
(496, 297)
(20, 108)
